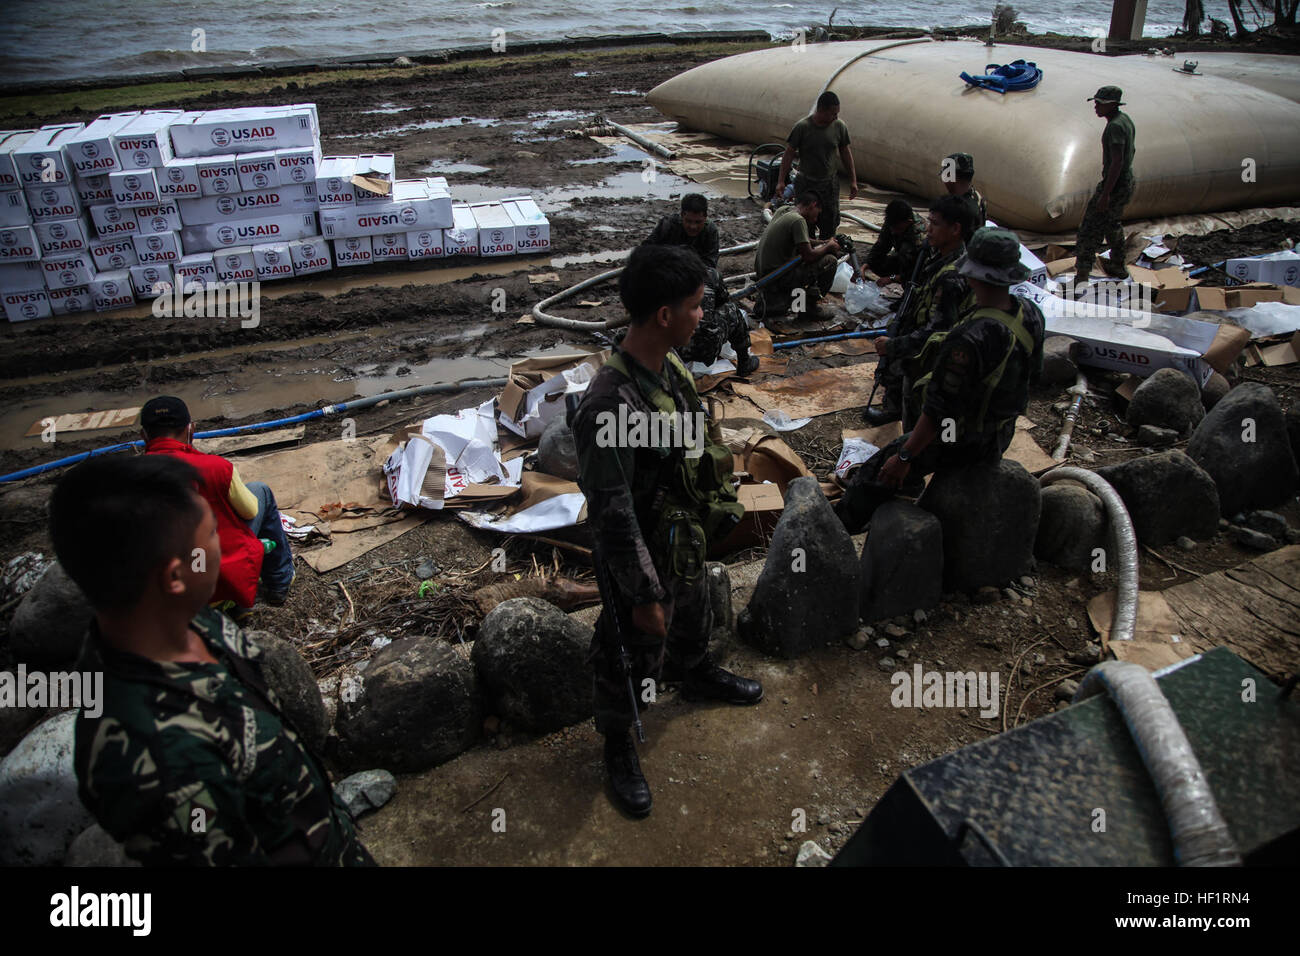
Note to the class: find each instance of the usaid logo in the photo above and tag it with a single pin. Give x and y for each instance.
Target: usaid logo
(425, 240)
(334, 185)
(352, 245)
(158, 224)
(8, 239)
(225, 205)
(261, 180)
(154, 243)
(298, 174)
(226, 235)
(117, 261)
(409, 216)
(1291, 275)
(49, 196)
(131, 182)
(498, 236)
(110, 287)
(38, 161)
(29, 310)
(140, 159)
(90, 150)
(112, 214)
(533, 232)
(1241, 270)
(220, 186)
(68, 279)
(151, 274)
(176, 175)
(220, 137)
(272, 257)
(308, 250)
(58, 230)
(232, 263)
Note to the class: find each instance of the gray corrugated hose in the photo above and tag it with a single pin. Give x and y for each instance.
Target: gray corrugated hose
(1200, 834)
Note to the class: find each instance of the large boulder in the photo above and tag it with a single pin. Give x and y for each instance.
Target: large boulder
(902, 562)
(1071, 527)
(1167, 495)
(51, 621)
(557, 453)
(40, 813)
(291, 678)
(94, 847)
(1214, 389)
(989, 514)
(1059, 367)
(807, 593)
(531, 659)
(418, 705)
(1244, 447)
(1168, 399)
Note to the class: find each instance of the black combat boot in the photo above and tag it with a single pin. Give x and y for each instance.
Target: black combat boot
(746, 364)
(631, 792)
(708, 681)
(878, 415)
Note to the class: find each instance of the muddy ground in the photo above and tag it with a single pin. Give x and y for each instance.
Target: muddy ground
(726, 781)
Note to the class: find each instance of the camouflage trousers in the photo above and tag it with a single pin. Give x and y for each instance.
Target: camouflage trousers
(690, 621)
(816, 275)
(1103, 228)
(726, 324)
(828, 191)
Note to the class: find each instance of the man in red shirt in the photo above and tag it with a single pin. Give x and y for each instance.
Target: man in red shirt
(245, 513)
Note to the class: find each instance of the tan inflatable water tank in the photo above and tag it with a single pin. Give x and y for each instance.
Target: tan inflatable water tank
(1201, 140)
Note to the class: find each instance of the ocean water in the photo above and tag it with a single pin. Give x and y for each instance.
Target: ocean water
(44, 40)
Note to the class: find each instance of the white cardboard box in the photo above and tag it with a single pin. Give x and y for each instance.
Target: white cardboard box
(246, 232)
(199, 268)
(10, 140)
(70, 301)
(18, 244)
(62, 237)
(143, 143)
(310, 255)
(134, 187)
(164, 217)
(388, 247)
(257, 171)
(94, 190)
(114, 255)
(425, 244)
(376, 165)
(411, 210)
(111, 221)
(21, 306)
(157, 248)
(42, 159)
(272, 261)
(533, 231)
(462, 238)
(354, 251)
(21, 276)
(151, 281)
(246, 130)
(297, 164)
(179, 179)
(1282, 268)
(496, 230)
(334, 181)
(13, 208)
(283, 200)
(218, 175)
(235, 264)
(66, 272)
(52, 202)
(91, 151)
(111, 290)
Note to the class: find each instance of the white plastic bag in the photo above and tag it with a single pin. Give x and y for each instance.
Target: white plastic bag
(865, 295)
(843, 276)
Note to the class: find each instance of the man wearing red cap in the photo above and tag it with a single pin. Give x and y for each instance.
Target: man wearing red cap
(245, 513)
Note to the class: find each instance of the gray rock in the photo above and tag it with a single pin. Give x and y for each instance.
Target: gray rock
(94, 847)
(1249, 474)
(1071, 527)
(365, 791)
(808, 590)
(1059, 368)
(1168, 399)
(810, 854)
(1184, 543)
(886, 664)
(21, 573)
(419, 704)
(902, 562)
(16, 721)
(1066, 690)
(1167, 495)
(40, 813)
(989, 515)
(1152, 436)
(289, 675)
(531, 658)
(557, 453)
(1212, 392)
(1267, 522)
(51, 621)
(1254, 540)
(858, 640)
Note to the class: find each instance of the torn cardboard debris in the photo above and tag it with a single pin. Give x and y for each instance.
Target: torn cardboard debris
(814, 393)
(452, 456)
(1156, 639)
(545, 504)
(537, 386)
(85, 421)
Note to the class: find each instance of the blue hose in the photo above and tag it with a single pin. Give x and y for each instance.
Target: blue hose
(1015, 77)
(869, 334)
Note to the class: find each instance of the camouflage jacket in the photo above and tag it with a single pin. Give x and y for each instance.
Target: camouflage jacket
(194, 763)
(941, 295)
(979, 208)
(670, 232)
(892, 255)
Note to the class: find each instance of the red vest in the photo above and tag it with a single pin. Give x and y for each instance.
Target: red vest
(241, 552)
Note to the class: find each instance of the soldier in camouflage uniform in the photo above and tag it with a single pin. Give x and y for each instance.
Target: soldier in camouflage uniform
(655, 505)
(940, 295)
(958, 176)
(970, 383)
(192, 760)
(691, 228)
(723, 322)
(896, 249)
(1102, 218)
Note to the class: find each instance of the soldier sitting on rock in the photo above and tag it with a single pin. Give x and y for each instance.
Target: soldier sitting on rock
(970, 383)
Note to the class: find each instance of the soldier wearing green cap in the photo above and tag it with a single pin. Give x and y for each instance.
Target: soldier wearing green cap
(1101, 220)
(958, 177)
(970, 383)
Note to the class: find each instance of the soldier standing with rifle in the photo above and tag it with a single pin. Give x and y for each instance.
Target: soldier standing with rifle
(655, 504)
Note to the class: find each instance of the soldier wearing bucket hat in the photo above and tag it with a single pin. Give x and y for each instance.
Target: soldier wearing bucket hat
(1102, 218)
(969, 383)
